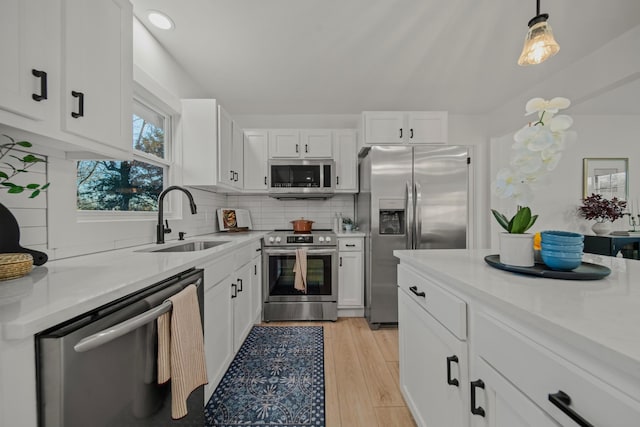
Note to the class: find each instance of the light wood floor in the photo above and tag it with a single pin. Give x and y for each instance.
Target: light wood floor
(361, 375)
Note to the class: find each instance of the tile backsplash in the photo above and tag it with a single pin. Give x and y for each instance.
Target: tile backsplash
(268, 213)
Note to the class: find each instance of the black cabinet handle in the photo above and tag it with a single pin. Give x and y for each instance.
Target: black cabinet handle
(400, 132)
(42, 75)
(235, 290)
(306, 148)
(240, 288)
(255, 270)
(259, 250)
(265, 180)
(451, 381)
(230, 175)
(235, 176)
(80, 97)
(476, 410)
(350, 245)
(411, 133)
(337, 180)
(562, 401)
(414, 289)
(340, 261)
(296, 148)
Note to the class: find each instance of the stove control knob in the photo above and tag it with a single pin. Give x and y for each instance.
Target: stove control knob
(320, 239)
(271, 239)
(327, 239)
(278, 239)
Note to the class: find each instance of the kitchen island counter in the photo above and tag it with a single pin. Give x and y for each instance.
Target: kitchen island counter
(597, 318)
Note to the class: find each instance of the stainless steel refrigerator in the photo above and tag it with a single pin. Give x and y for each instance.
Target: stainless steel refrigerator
(410, 198)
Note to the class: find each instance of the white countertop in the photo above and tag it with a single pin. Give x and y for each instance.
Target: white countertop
(601, 317)
(63, 289)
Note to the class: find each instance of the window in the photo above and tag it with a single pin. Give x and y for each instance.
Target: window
(129, 186)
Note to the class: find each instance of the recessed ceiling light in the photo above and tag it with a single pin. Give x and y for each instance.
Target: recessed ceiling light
(160, 20)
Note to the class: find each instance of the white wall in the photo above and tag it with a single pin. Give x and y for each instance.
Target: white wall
(557, 199)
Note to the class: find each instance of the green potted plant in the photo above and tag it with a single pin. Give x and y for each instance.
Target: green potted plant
(348, 223)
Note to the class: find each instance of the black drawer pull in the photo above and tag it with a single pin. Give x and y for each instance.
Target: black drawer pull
(240, 288)
(297, 148)
(411, 133)
(265, 180)
(306, 148)
(340, 261)
(476, 410)
(337, 180)
(400, 133)
(42, 75)
(350, 245)
(562, 401)
(80, 97)
(451, 381)
(414, 289)
(235, 290)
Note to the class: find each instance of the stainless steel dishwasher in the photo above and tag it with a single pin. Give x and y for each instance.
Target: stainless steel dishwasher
(100, 368)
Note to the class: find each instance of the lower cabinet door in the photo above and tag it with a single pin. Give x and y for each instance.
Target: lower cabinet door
(499, 404)
(256, 290)
(242, 312)
(218, 329)
(433, 368)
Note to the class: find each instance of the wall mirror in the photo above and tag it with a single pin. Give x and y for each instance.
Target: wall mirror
(606, 176)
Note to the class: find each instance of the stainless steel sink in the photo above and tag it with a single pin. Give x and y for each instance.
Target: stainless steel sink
(189, 246)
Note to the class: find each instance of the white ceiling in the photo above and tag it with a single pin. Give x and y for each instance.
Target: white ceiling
(348, 56)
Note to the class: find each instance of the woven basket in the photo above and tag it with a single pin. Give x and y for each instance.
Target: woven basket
(13, 266)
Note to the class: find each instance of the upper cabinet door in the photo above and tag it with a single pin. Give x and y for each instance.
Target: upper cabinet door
(97, 61)
(316, 143)
(384, 127)
(344, 149)
(225, 148)
(29, 48)
(237, 156)
(427, 127)
(255, 160)
(284, 143)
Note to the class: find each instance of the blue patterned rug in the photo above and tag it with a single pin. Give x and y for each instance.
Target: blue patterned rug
(276, 379)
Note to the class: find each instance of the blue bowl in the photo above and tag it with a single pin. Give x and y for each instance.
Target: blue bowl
(562, 262)
(561, 237)
(577, 247)
(562, 254)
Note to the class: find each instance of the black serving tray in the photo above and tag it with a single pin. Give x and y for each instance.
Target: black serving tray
(585, 271)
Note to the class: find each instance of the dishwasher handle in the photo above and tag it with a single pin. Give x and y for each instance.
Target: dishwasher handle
(123, 328)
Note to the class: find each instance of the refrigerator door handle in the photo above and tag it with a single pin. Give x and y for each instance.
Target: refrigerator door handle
(408, 209)
(418, 219)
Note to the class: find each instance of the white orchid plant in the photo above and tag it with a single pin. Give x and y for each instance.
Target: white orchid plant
(537, 148)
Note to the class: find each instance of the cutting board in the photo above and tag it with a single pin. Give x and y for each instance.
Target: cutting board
(231, 219)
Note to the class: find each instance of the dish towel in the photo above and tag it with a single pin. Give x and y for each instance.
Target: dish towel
(181, 349)
(300, 269)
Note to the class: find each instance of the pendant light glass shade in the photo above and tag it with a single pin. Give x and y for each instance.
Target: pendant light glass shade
(539, 44)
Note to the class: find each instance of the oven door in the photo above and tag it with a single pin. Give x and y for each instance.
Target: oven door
(322, 275)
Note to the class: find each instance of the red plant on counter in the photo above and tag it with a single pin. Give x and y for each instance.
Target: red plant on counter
(598, 208)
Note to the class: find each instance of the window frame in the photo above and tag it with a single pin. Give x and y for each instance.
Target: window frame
(169, 165)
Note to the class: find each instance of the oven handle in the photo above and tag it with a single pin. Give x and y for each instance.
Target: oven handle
(123, 328)
(293, 251)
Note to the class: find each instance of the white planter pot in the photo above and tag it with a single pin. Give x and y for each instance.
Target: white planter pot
(516, 249)
(601, 228)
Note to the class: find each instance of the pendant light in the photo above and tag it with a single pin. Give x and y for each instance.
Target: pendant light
(539, 44)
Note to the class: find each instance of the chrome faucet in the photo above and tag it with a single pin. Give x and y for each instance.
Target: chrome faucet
(161, 230)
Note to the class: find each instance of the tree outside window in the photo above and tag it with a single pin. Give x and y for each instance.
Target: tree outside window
(112, 185)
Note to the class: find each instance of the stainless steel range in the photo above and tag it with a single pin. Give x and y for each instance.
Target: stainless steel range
(282, 301)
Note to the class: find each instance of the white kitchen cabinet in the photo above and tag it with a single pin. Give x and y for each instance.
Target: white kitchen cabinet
(89, 75)
(256, 157)
(256, 287)
(218, 328)
(399, 127)
(97, 59)
(242, 308)
(433, 361)
(350, 276)
(346, 158)
(300, 143)
(520, 360)
(29, 75)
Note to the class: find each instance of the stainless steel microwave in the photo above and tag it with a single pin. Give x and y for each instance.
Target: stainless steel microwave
(301, 178)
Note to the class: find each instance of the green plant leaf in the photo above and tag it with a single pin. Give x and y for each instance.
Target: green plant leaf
(520, 221)
(30, 158)
(502, 220)
(33, 186)
(16, 189)
(34, 194)
(3, 175)
(25, 144)
(44, 187)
